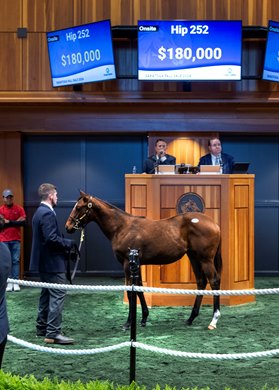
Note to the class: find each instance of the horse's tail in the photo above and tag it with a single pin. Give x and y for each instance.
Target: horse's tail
(218, 263)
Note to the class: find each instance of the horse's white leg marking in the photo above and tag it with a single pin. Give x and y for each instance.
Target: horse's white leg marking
(213, 323)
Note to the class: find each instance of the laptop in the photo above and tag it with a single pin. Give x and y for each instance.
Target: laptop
(166, 169)
(209, 169)
(240, 167)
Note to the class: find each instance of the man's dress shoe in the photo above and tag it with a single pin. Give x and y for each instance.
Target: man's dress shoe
(59, 339)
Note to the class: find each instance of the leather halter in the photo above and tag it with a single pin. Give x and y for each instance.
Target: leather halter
(78, 257)
(77, 221)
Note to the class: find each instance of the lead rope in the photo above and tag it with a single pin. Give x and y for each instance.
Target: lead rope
(78, 257)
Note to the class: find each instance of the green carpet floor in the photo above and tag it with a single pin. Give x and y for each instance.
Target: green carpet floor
(94, 319)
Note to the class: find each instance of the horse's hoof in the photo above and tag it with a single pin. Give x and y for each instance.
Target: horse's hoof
(126, 326)
(211, 327)
(143, 323)
(188, 322)
(213, 323)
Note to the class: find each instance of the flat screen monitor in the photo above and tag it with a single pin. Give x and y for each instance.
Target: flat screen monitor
(81, 54)
(189, 50)
(240, 167)
(271, 61)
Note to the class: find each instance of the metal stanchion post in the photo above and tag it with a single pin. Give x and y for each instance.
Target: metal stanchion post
(134, 269)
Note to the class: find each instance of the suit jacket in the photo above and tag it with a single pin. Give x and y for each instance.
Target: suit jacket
(5, 268)
(151, 161)
(227, 161)
(50, 250)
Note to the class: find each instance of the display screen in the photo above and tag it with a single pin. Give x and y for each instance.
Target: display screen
(271, 61)
(189, 50)
(81, 54)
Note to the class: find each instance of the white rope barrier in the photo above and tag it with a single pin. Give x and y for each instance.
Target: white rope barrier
(264, 291)
(192, 355)
(214, 356)
(60, 351)
(207, 292)
(69, 286)
(146, 347)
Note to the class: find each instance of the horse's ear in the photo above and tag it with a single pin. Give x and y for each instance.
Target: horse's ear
(82, 194)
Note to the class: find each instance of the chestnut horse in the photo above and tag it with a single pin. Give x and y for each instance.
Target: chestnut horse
(158, 242)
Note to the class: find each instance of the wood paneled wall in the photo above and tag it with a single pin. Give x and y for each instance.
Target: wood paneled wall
(11, 170)
(10, 164)
(24, 61)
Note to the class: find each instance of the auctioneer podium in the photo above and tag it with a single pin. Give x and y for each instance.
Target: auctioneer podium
(229, 200)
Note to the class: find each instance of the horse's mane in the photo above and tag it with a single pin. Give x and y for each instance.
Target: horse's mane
(112, 206)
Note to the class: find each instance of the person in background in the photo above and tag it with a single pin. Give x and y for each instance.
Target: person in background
(49, 256)
(5, 269)
(14, 217)
(217, 157)
(159, 158)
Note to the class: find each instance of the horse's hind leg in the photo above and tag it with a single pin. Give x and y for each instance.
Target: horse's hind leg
(195, 310)
(216, 304)
(201, 284)
(215, 282)
(216, 313)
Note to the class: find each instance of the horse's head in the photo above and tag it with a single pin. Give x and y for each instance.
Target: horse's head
(79, 216)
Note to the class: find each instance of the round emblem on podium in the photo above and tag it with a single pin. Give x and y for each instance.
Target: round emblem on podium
(190, 202)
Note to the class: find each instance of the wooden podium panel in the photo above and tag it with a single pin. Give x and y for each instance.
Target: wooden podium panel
(229, 200)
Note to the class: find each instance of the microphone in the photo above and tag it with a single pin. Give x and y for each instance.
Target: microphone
(158, 161)
(162, 156)
(220, 163)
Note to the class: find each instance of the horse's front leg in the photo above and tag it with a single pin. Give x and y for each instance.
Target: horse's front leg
(126, 266)
(144, 308)
(138, 282)
(127, 324)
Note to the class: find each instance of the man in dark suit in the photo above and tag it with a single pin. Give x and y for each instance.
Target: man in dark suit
(159, 158)
(5, 269)
(49, 256)
(216, 157)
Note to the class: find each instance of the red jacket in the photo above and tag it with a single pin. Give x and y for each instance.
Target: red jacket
(12, 213)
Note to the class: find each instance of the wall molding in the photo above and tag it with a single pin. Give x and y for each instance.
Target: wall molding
(232, 117)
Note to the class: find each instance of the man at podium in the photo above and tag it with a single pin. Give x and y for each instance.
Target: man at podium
(159, 158)
(217, 157)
